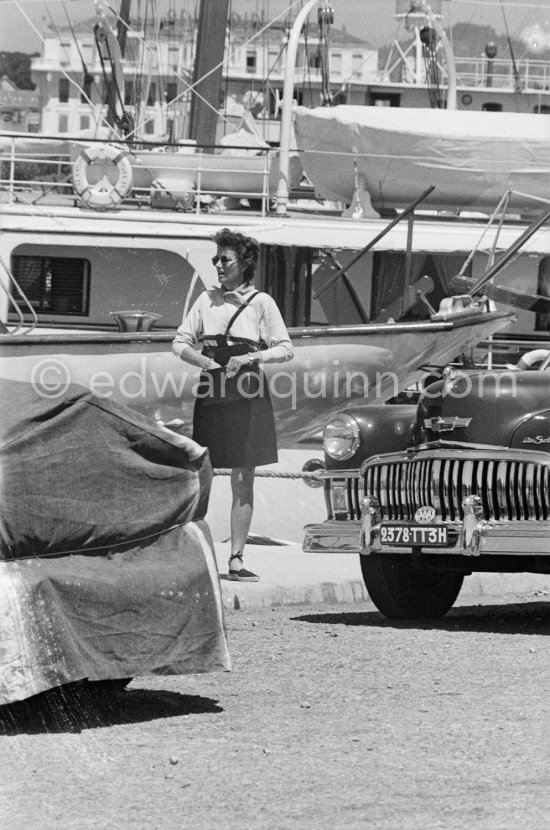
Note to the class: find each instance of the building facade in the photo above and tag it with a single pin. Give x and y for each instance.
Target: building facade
(19, 108)
(157, 68)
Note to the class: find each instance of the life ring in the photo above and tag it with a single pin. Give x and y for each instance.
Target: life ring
(530, 358)
(103, 194)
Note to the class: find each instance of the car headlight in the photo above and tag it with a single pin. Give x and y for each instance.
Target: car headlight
(341, 437)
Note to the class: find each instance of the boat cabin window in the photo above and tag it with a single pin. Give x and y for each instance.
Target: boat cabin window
(542, 321)
(54, 285)
(491, 106)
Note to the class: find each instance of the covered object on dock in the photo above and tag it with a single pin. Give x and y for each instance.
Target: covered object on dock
(107, 567)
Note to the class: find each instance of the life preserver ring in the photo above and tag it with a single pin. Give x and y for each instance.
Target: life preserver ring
(530, 358)
(103, 194)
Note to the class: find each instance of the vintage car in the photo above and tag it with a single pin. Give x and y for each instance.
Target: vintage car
(428, 494)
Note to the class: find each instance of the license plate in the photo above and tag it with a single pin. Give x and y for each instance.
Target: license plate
(422, 535)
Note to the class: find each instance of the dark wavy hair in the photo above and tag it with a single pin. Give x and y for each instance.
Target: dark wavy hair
(246, 248)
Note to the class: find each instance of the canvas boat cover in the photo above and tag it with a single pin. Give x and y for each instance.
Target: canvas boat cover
(107, 567)
(394, 153)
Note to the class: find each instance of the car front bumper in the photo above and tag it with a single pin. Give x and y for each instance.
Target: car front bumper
(334, 536)
(466, 538)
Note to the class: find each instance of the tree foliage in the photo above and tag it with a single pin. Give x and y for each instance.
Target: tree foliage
(17, 67)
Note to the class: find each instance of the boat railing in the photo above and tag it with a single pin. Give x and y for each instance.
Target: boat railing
(502, 73)
(7, 284)
(526, 74)
(498, 352)
(39, 170)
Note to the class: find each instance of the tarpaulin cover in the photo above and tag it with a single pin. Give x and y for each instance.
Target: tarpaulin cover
(107, 566)
(393, 153)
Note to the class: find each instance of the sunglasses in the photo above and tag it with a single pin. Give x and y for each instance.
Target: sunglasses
(225, 260)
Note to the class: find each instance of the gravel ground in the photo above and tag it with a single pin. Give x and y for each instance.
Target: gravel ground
(331, 718)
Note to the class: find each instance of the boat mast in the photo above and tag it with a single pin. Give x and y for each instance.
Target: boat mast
(122, 25)
(207, 71)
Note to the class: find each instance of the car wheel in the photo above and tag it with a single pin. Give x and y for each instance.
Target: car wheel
(402, 591)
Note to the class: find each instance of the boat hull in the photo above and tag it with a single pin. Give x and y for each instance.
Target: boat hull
(332, 367)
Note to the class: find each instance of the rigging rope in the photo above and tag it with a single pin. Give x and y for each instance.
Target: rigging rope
(517, 78)
(89, 79)
(192, 87)
(429, 53)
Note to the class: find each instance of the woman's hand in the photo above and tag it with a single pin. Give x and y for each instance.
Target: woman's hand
(236, 362)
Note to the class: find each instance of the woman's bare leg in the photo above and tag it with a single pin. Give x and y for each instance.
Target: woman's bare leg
(242, 489)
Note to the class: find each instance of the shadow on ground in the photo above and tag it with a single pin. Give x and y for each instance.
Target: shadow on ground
(517, 618)
(81, 706)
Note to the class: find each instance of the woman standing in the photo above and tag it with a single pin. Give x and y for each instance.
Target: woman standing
(239, 434)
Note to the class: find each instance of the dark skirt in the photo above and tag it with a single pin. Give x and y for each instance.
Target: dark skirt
(237, 434)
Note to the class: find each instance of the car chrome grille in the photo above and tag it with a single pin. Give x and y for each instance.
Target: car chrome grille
(345, 497)
(509, 490)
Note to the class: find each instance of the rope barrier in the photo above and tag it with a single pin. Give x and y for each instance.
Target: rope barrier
(272, 474)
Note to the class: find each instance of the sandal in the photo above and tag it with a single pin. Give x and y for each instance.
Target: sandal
(241, 575)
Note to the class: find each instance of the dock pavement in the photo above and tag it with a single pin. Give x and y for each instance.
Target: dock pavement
(288, 576)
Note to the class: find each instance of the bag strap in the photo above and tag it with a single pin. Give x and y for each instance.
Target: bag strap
(240, 309)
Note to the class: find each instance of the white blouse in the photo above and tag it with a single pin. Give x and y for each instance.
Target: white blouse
(260, 320)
